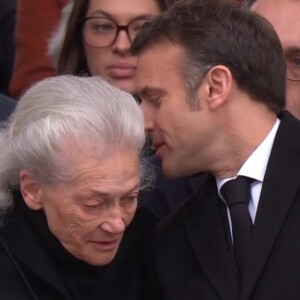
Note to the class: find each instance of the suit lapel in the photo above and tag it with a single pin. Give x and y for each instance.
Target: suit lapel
(208, 236)
(281, 183)
(195, 182)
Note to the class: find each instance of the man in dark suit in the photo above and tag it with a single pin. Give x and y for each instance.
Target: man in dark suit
(211, 80)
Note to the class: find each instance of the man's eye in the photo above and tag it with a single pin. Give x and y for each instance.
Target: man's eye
(296, 62)
(137, 98)
(293, 67)
(293, 61)
(155, 101)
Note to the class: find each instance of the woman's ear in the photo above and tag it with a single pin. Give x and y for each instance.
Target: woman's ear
(218, 86)
(30, 189)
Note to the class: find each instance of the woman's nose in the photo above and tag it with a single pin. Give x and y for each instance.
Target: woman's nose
(122, 42)
(114, 224)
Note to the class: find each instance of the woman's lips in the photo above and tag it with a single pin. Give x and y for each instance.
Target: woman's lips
(106, 245)
(120, 71)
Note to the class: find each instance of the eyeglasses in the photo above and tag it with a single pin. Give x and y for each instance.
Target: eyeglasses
(293, 68)
(101, 32)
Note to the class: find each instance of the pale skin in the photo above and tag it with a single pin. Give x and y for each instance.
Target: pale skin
(285, 18)
(115, 62)
(89, 214)
(190, 141)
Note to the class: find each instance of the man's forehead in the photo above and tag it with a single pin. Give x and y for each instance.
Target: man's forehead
(160, 54)
(278, 11)
(285, 18)
(157, 62)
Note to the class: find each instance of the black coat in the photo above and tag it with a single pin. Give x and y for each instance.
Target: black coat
(167, 194)
(192, 255)
(7, 105)
(30, 271)
(7, 42)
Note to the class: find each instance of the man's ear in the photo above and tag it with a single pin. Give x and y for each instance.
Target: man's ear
(31, 190)
(218, 86)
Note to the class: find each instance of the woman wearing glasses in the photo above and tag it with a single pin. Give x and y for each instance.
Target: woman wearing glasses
(99, 35)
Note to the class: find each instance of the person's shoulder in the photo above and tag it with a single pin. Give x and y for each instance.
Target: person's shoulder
(144, 218)
(7, 105)
(183, 212)
(287, 133)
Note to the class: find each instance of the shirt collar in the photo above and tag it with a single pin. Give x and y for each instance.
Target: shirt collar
(255, 166)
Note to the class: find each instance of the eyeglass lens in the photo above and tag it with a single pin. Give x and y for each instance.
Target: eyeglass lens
(101, 32)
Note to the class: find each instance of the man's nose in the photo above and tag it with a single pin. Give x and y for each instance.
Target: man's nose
(148, 117)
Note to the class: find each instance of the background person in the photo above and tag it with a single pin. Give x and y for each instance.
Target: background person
(7, 106)
(98, 37)
(35, 22)
(7, 42)
(284, 16)
(70, 175)
(219, 109)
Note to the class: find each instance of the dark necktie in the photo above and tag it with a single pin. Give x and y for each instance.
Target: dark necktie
(237, 193)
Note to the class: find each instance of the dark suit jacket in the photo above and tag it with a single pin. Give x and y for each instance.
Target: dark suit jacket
(192, 253)
(167, 194)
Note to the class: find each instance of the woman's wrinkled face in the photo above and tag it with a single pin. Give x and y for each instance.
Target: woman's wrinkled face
(114, 61)
(89, 214)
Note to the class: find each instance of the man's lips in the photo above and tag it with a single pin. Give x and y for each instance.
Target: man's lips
(121, 71)
(157, 145)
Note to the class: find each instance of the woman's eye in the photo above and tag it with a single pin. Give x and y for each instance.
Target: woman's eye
(92, 204)
(137, 26)
(129, 200)
(103, 27)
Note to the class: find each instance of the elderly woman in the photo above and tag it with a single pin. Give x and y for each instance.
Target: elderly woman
(70, 174)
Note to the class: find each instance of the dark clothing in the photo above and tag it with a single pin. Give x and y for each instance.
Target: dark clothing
(165, 195)
(36, 266)
(7, 42)
(192, 252)
(7, 105)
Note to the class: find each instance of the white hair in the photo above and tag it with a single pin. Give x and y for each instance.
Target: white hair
(65, 107)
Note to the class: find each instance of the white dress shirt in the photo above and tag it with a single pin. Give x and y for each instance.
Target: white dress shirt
(254, 167)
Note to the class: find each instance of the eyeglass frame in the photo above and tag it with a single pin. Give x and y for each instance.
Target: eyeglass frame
(118, 28)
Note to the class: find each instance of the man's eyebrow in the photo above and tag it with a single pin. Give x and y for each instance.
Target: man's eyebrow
(292, 50)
